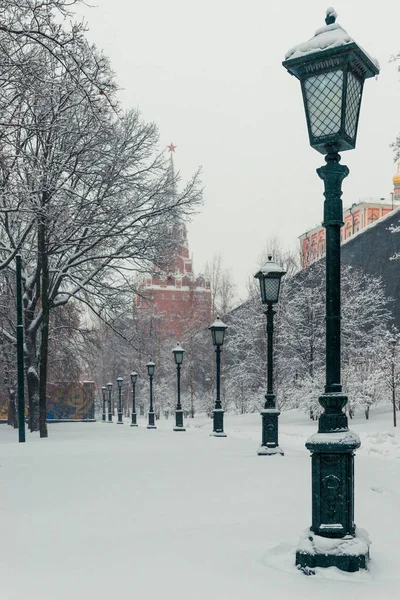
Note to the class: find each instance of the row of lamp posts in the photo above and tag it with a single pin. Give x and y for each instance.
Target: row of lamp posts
(270, 279)
(218, 333)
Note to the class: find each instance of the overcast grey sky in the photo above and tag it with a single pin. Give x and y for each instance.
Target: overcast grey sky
(209, 74)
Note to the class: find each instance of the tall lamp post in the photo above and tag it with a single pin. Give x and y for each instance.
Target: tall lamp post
(270, 277)
(150, 370)
(134, 377)
(218, 329)
(178, 356)
(332, 75)
(109, 389)
(120, 382)
(103, 417)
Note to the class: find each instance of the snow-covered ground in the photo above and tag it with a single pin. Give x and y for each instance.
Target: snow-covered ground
(104, 511)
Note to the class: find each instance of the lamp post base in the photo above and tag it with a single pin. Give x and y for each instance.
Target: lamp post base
(134, 423)
(349, 554)
(151, 424)
(218, 423)
(110, 420)
(179, 420)
(270, 451)
(269, 427)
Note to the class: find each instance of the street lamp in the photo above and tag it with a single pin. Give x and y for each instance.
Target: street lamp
(270, 277)
(104, 390)
(120, 382)
(178, 356)
(109, 389)
(218, 329)
(134, 377)
(150, 370)
(332, 69)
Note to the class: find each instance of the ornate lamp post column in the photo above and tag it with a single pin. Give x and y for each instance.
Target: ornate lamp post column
(270, 282)
(109, 389)
(103, 417)
(150, 370)
(332, 76)
(134, 376)
(120, 411)
(178, 356)
(218, 329)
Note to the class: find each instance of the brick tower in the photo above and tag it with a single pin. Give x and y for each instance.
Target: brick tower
(179, 298)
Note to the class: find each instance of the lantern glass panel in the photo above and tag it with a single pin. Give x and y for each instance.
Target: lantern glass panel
(270, 289)
(178, 354)
(150, 368)
(324, 102)
(218, 337)
(354, 89)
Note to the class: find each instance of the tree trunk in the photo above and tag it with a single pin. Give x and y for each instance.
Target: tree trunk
(12, 418)
(367, 412)
(32, 379)
(191, 391)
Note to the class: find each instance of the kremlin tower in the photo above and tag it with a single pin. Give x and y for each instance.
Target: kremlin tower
(178, 299)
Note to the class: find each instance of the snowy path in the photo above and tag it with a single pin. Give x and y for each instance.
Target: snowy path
(103, 511)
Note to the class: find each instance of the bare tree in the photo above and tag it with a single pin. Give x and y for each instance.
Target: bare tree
(86, 197)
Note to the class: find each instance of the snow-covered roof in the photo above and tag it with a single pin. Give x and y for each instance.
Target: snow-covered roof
(330, 36)
(326, 38)
(270, 267)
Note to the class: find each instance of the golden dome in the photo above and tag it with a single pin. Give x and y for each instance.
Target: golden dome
(396, 178)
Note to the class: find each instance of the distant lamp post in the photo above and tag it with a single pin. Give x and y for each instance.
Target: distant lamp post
(178, 356)
(150, 370)
(104, 390)
(134, 377)
(109, 389)
(270, 277)
(218, 329)
(120, 382)
(332, 69)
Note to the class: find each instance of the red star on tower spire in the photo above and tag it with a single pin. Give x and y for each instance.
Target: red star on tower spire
(171, 147)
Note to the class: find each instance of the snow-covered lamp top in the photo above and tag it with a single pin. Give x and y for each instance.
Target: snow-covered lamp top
(270, 276)
(218, 329)
(134, 376)
(120, 381)
(332, 69)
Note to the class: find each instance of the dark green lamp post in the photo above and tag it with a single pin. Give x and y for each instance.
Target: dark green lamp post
(218, 329)
(150, 370)
(20, 353)
(120, 382)
(104, 390)
(178, 356)
(332, 69)
(134, 377)
(270, 276)
(109, 389)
